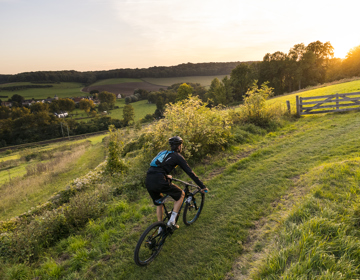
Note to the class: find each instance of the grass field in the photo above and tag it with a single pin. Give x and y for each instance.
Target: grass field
(141, 109)
(62, 90)
(203, 80)
(346, 87)
(116, 81)
(37, 189)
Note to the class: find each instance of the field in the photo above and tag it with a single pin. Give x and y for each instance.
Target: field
(203, 80)
(283, 204)
(62, 90)
(141, 109)
(125, 87)
(346, 86)
(28, 177)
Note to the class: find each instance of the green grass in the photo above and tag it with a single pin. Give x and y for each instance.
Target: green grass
(321, 235)
(141, 109)
(239, 196)
(348, 87)
(50, 184)
(203, 80)
(115, 81)
(62, 90)
(245, 183)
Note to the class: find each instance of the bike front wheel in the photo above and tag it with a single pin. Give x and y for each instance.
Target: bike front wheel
(150, 244)
(193, 207)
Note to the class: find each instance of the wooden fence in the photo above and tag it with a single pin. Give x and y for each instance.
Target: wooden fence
(339, 102)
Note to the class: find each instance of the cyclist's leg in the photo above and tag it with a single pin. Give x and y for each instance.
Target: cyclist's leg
(177, 204)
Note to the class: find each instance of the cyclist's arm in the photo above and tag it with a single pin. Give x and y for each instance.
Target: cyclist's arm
(184, 166)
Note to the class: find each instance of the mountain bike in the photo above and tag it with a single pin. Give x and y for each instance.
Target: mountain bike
(153, 238)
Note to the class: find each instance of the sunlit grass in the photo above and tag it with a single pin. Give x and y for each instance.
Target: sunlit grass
(20, 193)
(347, 87)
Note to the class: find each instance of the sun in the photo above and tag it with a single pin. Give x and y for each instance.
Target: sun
(342, 46)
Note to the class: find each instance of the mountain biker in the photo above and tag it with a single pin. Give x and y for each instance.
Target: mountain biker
(158, 178)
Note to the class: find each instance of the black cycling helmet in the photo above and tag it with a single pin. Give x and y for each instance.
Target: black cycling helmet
(175, 141)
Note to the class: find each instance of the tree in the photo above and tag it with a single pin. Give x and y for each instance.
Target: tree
(39, 106)
(351, 64)
(19, 112)
(103, 107)
(66, 104)
(94, 91)
(128, 114)
(17, 98)
(4, 112)
(184, 91)
(241, 79)
(86, 105)
(107, 97)
(216, 93)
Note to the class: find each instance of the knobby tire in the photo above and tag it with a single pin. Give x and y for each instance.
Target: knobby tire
(193, 209)
(150, 244)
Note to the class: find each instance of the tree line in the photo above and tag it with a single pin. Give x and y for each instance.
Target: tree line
(302, 66)
(89, 77)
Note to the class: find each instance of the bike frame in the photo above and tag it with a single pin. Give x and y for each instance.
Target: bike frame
(187, 194)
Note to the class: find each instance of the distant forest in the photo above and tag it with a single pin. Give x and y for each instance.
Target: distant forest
(87, 78)
(301, 67)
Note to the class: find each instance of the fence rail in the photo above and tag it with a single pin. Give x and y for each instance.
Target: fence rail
(339, 102)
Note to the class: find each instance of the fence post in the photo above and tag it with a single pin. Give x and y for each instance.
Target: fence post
(288, 106)
(297, 106)
(337, 101)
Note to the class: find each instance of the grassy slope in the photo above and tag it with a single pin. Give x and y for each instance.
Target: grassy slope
(62, 90)
(250, 179)
(116, 81)
(241, 195)
(86, 162)
(347, 87)
(203, 80)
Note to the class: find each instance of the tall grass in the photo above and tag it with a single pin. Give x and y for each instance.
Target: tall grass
(320, 238)
(50, 171)
(22, 189)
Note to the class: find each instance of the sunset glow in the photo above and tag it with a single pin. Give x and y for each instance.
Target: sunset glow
(108, 34)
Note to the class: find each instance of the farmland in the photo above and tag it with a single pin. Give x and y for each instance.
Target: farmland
(62, 90)
(203, 80)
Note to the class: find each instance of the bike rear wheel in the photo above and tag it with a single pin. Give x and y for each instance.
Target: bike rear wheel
(150, 244)
(193, 207)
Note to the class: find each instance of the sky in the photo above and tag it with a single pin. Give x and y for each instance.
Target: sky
(89, 35)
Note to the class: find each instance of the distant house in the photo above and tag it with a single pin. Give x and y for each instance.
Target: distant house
(77, 99)
(28, 102)
(118, 96)
(6, 103)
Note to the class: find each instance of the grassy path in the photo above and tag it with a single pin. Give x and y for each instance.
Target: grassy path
(238, 198)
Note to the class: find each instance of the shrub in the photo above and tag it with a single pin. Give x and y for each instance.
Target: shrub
(255, 110)
(114, 163)
(204, 130)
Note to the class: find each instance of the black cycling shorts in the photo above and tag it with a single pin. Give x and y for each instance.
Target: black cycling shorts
(157, 184)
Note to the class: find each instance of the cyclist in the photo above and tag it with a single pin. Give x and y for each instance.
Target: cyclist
(158, 178)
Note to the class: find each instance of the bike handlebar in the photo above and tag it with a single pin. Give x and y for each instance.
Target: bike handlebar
(188, 184)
